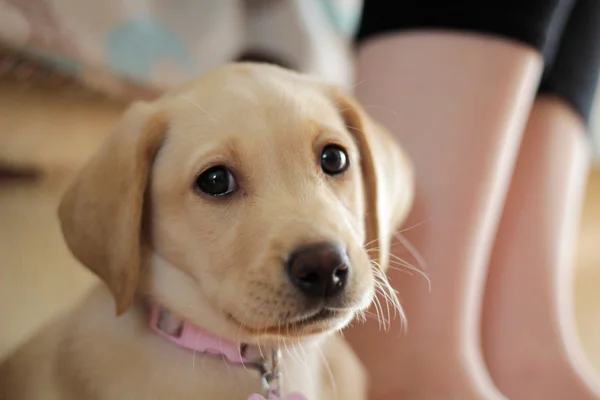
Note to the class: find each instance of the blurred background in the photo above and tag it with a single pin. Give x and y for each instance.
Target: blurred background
(61, 92)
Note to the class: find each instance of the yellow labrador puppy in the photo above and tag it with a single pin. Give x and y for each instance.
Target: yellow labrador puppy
(238, 223)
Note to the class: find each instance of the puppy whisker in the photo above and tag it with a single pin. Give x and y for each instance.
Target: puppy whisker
(353, 128)
(357, 84)
(391, 295)
(287, 349)
(238, 341)
(193, 102)
(329, 372)
(380, 108)
(395, 262)
(359, 312)
(411, 249)
(381, 277)
(303, 357)
(401, 265)
(380, 289)
(378, 308)
(370, 242)
(411, 227)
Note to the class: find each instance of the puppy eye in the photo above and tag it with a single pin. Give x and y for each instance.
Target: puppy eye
(216, 181)
(334, 160)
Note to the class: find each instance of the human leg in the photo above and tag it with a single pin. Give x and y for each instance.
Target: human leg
(529, 337)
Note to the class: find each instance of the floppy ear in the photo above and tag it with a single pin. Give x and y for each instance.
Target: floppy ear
(387, 177)
(101, 212)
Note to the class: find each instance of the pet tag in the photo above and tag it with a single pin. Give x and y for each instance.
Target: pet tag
(271, 378)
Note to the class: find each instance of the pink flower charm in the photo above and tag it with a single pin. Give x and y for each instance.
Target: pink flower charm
(293, 396)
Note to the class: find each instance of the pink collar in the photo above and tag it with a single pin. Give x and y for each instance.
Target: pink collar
(191, 337)
(196, 339)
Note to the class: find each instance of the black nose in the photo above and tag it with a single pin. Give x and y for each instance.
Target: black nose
(319, 270)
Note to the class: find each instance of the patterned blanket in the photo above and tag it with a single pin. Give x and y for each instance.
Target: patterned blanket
(136, 48)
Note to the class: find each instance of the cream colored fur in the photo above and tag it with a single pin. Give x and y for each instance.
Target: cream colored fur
(132, 216)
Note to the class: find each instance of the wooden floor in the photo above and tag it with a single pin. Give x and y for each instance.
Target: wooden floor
(58, 129)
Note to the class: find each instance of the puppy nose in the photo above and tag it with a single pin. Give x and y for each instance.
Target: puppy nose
(319, 270)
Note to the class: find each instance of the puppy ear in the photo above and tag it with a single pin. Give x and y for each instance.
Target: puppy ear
(387, 176)
(101, 212)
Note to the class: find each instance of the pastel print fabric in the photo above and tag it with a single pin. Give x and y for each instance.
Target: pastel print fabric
(118, 46)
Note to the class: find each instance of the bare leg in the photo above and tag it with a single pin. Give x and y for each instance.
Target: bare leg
(462, 125)
(529, 336)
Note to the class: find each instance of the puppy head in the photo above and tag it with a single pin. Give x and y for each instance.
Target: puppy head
(254, 202)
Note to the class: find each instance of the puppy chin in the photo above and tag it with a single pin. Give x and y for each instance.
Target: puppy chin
(333, 325)
(181, 294)
(299, 330)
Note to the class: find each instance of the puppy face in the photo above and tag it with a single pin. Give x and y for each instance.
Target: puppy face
(257, 192)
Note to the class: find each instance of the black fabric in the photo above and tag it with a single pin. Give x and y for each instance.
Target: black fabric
(572, 74)
(566, 32)
(526, 21)
(559, 20)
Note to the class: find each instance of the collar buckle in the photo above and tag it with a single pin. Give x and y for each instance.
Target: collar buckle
(270, 374)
